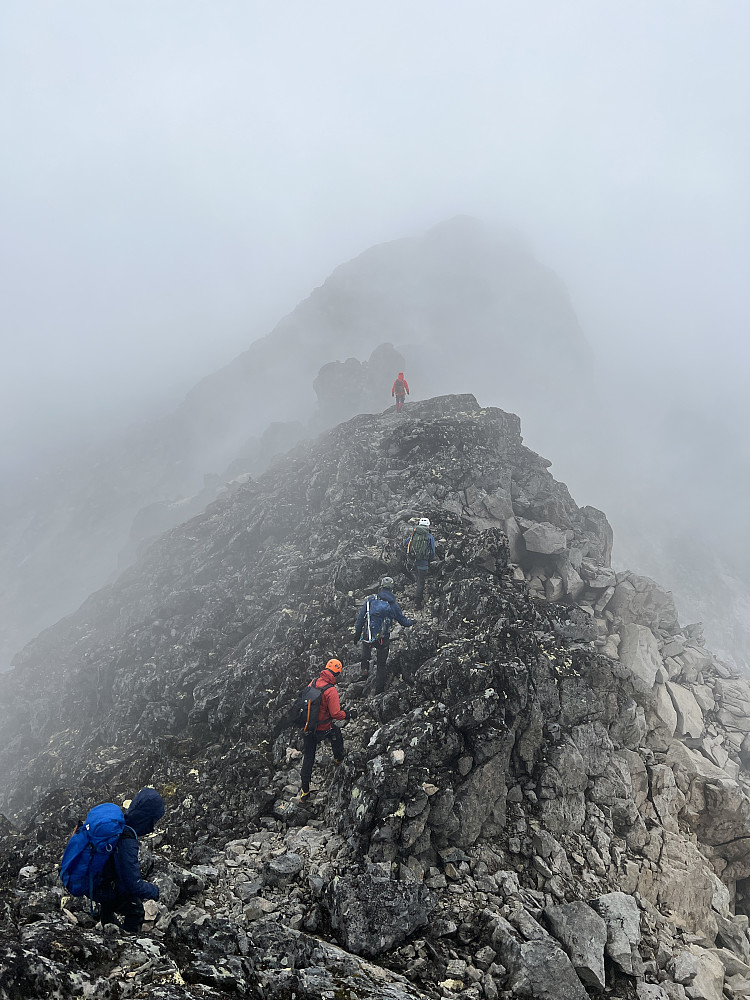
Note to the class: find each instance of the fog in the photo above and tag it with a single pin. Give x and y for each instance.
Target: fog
(178, 176)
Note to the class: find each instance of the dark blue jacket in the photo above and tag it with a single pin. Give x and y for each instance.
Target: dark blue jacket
(122, 877)
(423, 563)
(395, 614)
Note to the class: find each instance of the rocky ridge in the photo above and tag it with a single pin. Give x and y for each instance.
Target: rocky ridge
(66, 530)
(548, 801)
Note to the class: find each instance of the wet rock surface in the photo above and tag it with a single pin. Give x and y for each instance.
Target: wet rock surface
(549, 796)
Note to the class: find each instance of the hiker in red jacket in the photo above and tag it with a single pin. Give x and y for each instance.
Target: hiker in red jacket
(400, 390)
(330, 709)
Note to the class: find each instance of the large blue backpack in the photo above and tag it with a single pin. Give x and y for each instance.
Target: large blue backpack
(89, 849)
(377, 619)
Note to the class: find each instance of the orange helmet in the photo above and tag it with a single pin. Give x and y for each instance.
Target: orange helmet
(334, 666)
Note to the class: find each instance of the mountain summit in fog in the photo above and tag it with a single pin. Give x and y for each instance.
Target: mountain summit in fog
(465, 308)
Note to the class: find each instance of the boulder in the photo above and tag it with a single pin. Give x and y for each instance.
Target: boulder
(708, 983)
(545, 539)
(689, 714)
(661, 717)
(538, 968)
(684, 968)
(717, 808)
(639, 656)
(685, 886)
(650, 991)
(583, 935)
(372, 913)
(639, 599)
(733, 966)
(284, 868)
(622, 918)
(561, 787)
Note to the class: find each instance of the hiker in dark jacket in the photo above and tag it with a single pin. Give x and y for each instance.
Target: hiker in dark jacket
(330, 710)
(400, 389)
(122, 889)
(420, 547)
(374, 630)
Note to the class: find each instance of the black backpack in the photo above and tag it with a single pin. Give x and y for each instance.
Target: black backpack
(418, 543)
(400, 388)
(306, 708)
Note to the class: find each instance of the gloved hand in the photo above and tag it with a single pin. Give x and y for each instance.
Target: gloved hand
(412, 621)
(352, 713)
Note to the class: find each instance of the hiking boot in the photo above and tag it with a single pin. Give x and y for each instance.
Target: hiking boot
(304, 795)
(338, 762)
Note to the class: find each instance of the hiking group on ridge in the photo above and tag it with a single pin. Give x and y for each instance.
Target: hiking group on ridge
(101, 858)
(318, 707)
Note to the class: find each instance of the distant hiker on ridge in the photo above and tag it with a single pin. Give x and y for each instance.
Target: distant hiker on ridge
(327, 708)
(400, 390)
(420, 549)
(374, 626)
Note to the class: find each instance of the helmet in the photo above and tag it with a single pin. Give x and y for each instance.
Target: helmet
(334, 666)
(386, 583)
(424, 522)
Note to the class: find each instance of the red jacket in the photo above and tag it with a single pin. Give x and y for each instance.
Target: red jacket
(405, 383)
(330, 708)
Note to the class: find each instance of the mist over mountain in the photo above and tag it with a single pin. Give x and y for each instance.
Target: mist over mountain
(463, 307)
(466, 307)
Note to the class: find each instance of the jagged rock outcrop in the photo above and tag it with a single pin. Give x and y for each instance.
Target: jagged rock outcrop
(526, 811)
(345, 388)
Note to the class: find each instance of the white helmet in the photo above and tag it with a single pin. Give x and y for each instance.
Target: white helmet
(424, 522)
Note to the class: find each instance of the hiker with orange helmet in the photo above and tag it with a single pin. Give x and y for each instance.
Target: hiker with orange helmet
(400, 390)
(330, 710)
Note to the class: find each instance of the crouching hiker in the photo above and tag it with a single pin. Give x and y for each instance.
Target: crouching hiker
(316, 709)
(374, 626)
(101, 859)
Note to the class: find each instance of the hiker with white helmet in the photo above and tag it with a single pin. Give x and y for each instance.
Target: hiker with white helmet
(420, 550)
(374, 626)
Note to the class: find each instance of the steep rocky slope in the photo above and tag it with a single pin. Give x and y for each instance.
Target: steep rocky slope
(548, 801)
(449, 300)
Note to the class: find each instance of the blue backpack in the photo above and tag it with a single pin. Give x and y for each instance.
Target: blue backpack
(378, 614)
(89, 849)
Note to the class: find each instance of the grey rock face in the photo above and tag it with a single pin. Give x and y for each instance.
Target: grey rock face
(583, 935)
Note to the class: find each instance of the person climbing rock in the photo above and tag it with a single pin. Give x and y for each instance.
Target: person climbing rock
(400, 390)
(373, 626)
(122, 888)
(330, 710)
(420, 551)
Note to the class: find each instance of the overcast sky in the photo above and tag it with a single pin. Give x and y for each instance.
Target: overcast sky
(176, 175)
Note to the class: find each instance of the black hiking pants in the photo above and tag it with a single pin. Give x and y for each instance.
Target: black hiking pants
(382, 647)
(421, 578)
(336, 739)
(130, 909)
